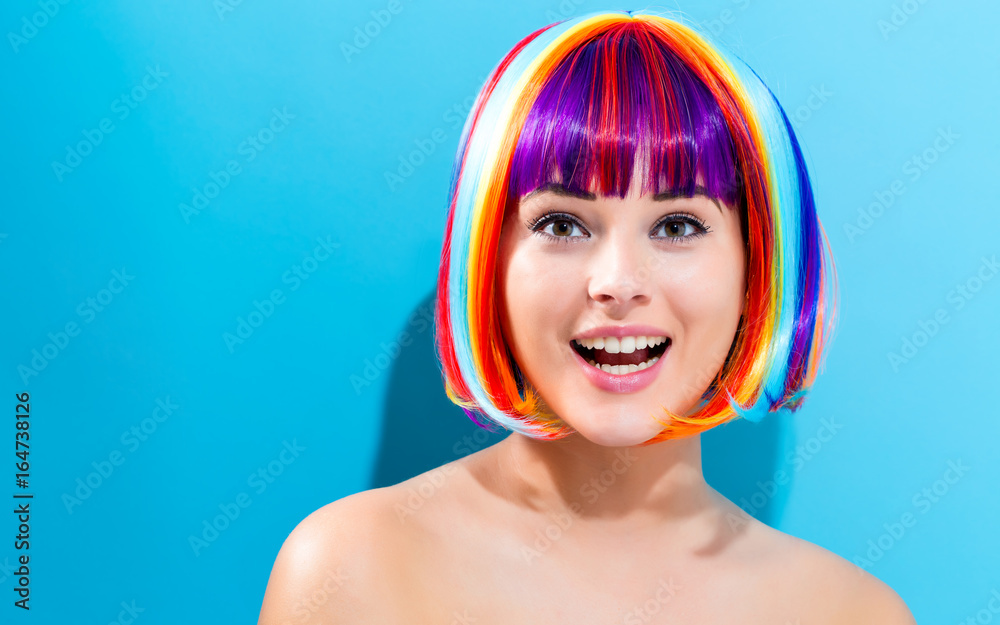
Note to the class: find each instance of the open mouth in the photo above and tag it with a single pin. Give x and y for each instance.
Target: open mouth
(620, 356)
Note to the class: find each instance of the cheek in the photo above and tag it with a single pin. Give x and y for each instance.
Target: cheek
(710, 286)
(537, 299)
(707, 297)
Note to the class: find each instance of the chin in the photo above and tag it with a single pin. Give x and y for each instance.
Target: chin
(627, 432)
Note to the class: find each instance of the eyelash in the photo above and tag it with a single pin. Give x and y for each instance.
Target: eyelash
(536, 225)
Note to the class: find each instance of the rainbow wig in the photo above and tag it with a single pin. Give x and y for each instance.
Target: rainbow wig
(585, 98)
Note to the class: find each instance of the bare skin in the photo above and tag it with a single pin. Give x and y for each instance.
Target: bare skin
(594, 527)
(507, 536)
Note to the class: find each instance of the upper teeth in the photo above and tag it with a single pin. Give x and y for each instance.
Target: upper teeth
(623, 345)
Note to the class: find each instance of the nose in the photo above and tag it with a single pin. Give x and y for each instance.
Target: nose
(620, 275)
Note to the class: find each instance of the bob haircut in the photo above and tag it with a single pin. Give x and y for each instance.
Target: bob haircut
(585, 98)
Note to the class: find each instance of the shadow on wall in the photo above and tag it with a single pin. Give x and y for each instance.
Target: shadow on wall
(422, 430)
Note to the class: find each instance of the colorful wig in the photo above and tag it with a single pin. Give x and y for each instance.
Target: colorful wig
(585, 98)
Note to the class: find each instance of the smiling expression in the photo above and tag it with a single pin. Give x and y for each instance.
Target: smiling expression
(616, 308)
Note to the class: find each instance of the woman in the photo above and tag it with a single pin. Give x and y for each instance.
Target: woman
(632, 257)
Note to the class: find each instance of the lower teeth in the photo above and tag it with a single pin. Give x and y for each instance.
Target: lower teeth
(624, 369)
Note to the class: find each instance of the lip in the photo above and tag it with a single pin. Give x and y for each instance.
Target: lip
(620, 331)
(626, 383)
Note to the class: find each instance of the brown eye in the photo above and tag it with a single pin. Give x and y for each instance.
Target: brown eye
(561, 227)
(676, 228)
(681, 228)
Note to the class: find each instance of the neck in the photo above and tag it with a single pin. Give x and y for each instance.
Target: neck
(630, 486)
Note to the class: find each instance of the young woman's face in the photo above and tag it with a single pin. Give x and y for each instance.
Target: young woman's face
(652, 282)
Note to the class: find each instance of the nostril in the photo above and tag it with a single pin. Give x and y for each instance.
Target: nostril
(619, 296)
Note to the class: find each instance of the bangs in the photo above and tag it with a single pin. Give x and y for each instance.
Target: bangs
(620, 97)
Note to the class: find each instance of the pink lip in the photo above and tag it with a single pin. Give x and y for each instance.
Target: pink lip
(620, 331)
(627, 383)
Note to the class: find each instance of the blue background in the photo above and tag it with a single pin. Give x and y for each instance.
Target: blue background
(866, 100)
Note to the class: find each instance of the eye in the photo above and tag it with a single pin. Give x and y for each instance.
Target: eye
(558, 226)
(681, 227)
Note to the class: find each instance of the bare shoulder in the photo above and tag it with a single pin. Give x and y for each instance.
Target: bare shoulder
(835, 590)
(336, 563)
(863, 598)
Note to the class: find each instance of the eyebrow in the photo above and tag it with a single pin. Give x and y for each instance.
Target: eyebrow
(557, 188)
